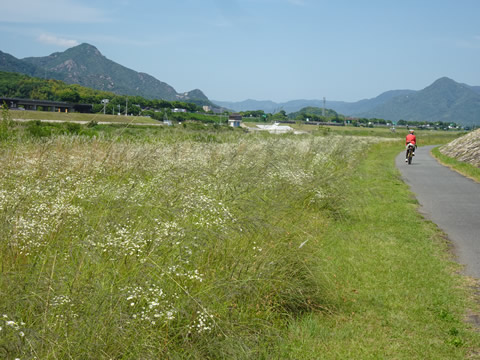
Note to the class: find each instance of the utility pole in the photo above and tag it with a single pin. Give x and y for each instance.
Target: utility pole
(323, 110)
(104, 102)
(126, 107)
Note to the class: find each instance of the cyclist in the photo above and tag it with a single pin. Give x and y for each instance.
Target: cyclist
(410, 139)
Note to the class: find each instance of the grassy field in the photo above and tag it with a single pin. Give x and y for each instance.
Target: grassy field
(208, 242)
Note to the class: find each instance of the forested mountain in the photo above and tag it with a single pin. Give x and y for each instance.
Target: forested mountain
(86, 66)
(10, 63)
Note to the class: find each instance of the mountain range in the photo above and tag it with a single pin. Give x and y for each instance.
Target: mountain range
(346, 108)
(444, 100)
(86, 66)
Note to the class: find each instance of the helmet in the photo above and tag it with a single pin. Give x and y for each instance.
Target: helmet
(412, 131)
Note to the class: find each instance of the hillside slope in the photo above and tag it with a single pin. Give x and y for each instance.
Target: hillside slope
(444, 100)
(465, 148)
(10, 63)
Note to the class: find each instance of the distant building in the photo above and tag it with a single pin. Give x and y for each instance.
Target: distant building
(235, 120)
(206, 108)
(176, 110)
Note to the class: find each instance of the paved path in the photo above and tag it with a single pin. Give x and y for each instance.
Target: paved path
(450, 200)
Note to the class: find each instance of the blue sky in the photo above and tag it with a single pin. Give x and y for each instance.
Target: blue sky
(276, 50)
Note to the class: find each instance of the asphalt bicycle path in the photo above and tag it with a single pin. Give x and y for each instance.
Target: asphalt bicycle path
(450, 200)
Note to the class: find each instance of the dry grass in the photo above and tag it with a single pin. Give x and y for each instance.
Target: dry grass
(466, 148)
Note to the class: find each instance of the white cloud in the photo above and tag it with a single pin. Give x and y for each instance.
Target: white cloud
(57, 41)
(50, 11)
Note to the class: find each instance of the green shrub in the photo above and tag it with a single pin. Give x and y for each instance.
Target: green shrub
(37, 129)
(73, 128)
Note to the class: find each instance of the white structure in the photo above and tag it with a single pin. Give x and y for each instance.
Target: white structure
(234, 123)
(276, 128)
(235, 120)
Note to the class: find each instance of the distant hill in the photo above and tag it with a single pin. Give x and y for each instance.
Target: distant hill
(366, 104)
(312, 111)
(86, 66)
(444, 100)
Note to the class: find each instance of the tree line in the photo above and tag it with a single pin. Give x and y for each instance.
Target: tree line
(24, 86)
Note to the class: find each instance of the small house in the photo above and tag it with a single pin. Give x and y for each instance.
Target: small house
(235, 120)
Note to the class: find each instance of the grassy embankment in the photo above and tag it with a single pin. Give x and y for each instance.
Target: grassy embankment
(209, 243)
(463, 168)
(108, 118)
(61, 116)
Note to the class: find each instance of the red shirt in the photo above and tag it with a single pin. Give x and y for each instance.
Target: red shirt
(411, 139)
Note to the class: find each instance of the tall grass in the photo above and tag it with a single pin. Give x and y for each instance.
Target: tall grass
(6, 124)
(186, 244)
(393, 290)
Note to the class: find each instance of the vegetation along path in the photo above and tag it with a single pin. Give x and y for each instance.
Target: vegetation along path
(450, 200)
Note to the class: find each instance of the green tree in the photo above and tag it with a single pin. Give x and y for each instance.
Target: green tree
(69, 95)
